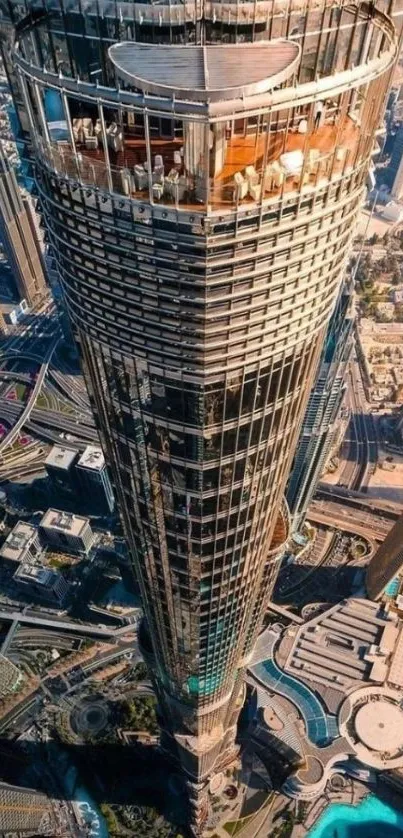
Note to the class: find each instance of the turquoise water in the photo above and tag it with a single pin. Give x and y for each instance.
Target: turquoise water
(392, 589)
(372, 818)
(315, 717)
(118, 594)
(78, 794)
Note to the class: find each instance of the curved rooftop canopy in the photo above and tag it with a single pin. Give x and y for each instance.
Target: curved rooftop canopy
(205, 74)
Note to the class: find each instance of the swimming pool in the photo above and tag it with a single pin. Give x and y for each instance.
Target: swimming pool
(392, 589)
(372, 818)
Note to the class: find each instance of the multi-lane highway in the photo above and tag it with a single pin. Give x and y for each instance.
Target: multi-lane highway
(350, 519)
(25, 617)
(64, 411)
(13, 433)
(359, 500)
(361, 436)
(48, 424)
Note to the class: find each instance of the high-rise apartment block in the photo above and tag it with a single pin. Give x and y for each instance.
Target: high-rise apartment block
(94, 480)
(386, 564)
(321, 421)
(394, 173)
(17, 232)
(66, 531)
(60, 466)
(48, 584)
(200, 192)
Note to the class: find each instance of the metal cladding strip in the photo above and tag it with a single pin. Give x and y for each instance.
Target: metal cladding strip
(285, 97)
(212, 73)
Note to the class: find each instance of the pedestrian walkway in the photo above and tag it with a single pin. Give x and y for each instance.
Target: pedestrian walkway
(319, 731)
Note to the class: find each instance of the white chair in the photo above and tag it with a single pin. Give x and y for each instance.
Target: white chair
(88, 127)
(158, 176)
(140, 177)
(91, 142)
(251, 176)
(303, 126)
(268, 179)
(170, 183)
(177, 158)
(158, 161)
(241, 186)
(158, 191)
(126, 181)
(255, 191)
(278, 174)
(115, 137)
(78, 133)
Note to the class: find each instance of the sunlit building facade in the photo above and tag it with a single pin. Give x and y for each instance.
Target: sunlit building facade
(19, 238)
(200, 167)
(321, 425)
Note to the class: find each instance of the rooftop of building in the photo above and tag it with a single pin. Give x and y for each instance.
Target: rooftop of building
(18, 541)
(354, 642)
(61, 457)
(343, 672)
(7, 665)
(211, 73)
(92, 458)
(36, 573)
(66, 522)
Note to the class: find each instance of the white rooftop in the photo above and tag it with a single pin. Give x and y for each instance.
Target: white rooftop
(60, 457)
(18, 541)
(92, 458)
(65, 522)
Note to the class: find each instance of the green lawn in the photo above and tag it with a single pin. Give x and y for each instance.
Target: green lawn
(233, 827)
(21, 390)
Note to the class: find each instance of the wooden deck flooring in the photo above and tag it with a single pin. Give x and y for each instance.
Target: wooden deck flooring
(241, 151)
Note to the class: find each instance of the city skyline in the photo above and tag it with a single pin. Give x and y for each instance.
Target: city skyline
(201, 236)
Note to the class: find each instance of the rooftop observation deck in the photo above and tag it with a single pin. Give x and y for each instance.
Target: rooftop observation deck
(253, 166)
(213, 127)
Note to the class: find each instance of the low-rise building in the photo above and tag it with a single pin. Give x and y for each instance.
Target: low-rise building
(26, 811)
(386, 310)
(10, 677)
(393, 211)
(94, 479)
(22, 544)
(66, 531)
(46, 583)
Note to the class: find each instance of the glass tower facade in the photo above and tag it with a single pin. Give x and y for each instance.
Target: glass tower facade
(320, 426)
(200, 166)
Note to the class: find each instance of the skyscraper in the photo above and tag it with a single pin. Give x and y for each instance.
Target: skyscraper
(320, 426)
(386, 564)
(200, 193)
(17, 232)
